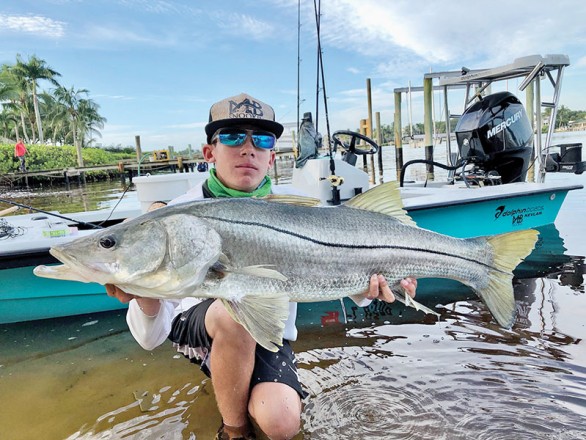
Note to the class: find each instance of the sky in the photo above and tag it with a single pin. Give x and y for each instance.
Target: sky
(156, 66)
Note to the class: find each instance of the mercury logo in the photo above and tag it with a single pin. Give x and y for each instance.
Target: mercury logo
(506, 123)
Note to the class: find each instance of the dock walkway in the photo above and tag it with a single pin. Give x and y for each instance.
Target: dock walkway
(124, 169)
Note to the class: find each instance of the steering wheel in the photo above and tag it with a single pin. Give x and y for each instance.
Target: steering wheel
(349, 140)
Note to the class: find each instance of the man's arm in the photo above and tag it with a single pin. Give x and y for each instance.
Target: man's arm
(148, 319)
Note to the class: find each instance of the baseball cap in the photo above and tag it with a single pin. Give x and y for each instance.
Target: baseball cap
(239, 110)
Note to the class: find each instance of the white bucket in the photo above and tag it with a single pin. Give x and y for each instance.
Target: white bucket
(164, 187)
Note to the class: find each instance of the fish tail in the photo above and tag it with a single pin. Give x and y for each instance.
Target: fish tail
(509, 250)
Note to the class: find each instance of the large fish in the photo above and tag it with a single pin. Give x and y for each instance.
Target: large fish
(259, 254)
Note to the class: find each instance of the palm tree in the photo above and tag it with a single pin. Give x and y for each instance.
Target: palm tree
(70, 100)
(29, 73)
(15, 91)
(90, 121)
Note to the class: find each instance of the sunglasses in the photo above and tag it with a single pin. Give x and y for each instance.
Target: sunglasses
(235, 137)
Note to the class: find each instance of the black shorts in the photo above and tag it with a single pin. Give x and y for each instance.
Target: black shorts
(189, 336)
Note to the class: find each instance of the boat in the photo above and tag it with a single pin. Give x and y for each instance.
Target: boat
(487, 190)
(487, 193)
(25, 243)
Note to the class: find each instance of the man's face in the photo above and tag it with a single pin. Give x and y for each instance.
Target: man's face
(243, 167)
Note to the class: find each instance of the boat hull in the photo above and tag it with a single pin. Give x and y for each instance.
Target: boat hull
(26, 297)
(490, 213)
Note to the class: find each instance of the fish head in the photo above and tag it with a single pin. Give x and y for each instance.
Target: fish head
(149, 252)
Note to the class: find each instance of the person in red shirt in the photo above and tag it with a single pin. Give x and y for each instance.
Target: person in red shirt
(20, 152)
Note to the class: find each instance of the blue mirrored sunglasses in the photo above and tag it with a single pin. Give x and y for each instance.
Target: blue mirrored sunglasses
(235, 137)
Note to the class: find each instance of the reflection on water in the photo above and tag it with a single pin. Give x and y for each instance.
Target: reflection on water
(89, 197)
(460, 379)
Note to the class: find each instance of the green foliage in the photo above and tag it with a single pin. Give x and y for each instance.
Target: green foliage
(48, 157)
(565, 116)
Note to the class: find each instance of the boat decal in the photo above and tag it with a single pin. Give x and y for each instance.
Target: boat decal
(517, 215)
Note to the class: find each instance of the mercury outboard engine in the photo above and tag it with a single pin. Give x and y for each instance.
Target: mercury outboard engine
(495, 135)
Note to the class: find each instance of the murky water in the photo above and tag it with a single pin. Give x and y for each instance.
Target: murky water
(391, 374)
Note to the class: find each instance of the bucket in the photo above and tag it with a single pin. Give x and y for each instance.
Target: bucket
(164, 187)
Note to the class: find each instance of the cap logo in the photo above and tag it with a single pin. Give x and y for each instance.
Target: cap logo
(246, 109)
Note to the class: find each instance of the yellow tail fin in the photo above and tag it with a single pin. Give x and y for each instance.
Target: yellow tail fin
(509, 250)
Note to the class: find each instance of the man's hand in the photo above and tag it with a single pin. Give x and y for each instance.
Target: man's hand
(118, 293)
(149, 306)
(379, 288)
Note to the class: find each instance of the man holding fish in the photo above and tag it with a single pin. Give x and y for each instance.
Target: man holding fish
(247, 378)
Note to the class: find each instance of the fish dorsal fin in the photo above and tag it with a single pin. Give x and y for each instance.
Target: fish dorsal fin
(292, 199)
(384, 199)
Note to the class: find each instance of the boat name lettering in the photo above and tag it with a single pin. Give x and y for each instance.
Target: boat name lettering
(530, 211)
(506, 123)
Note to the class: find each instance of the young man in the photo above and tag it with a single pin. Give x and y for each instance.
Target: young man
(247, 379)
(20, 152)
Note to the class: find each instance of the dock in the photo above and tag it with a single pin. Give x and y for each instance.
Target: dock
(127, 170)
(124, 170)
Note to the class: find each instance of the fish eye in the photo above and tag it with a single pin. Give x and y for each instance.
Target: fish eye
(107, 242)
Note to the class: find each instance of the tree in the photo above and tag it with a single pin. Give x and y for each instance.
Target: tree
(29, 73)
(70, 99)
(89, 120)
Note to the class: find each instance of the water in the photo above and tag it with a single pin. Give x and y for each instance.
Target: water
(392, 375)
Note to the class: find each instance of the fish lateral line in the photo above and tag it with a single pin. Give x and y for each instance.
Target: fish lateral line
(348, 246)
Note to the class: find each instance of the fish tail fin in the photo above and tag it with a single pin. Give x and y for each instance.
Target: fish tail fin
(509, 250)
(263, 317)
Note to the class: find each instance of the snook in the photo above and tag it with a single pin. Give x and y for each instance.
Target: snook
(257, 255)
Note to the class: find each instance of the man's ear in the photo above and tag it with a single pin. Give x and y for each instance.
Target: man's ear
(208, 153)
(272, 159)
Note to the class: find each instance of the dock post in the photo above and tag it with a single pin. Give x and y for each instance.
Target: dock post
(180, 164)
(363, 132)
(369, 130)
(398, 136)
(66, 177)
(121, 173)
(138, 149)
(428, 124)
(379, 141)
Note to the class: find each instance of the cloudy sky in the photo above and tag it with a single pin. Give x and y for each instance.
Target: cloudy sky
(156, 66)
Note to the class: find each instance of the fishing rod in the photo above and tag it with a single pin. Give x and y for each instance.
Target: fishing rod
(91, 225)
(323, 78)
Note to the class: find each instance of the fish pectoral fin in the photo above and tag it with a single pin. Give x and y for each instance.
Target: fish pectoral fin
(263, 317)
(260, 270)
(292, 200)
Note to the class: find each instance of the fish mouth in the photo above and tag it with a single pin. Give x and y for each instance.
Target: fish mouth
(65, 271)
(68, 270)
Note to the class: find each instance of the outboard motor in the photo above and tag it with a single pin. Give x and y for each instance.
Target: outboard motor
(496, 136)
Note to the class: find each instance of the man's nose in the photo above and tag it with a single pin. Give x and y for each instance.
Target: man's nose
(247, 146)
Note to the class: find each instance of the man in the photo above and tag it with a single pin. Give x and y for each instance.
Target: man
(20, 152)
(247, 379)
